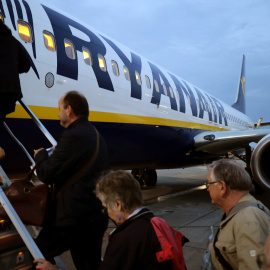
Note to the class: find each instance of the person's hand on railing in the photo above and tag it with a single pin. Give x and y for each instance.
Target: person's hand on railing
(36, 151)
(44, 265)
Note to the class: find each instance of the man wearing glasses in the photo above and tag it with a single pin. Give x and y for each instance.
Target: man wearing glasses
(245, 224)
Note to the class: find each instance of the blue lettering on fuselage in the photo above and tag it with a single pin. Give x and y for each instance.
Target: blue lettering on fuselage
(19, 9)
(69, 67)
(156, 96)
(134, 65)
(192, 99)
(180, 92)
(2, 9)
(213, 107)
(221, 112)
(203, 105)
(30, 21)
(188, 93)
(11, 13)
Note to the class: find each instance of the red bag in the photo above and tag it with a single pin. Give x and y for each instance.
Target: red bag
(171, 242)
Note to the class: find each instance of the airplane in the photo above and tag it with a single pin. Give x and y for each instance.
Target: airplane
(150, 117)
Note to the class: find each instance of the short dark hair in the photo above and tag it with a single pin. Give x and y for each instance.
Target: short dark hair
(119, 185)
(232, 173)
(77, 102)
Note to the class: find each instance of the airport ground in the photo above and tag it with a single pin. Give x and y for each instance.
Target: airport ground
(183, 201)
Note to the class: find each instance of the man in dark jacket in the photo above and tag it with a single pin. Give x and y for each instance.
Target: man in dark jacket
(13, 60)
(77, 224)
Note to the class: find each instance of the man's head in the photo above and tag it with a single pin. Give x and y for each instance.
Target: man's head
(72, 105)
(228, 181)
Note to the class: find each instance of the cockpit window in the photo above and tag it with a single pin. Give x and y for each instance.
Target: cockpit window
(25, 31)
(49, 41)
(69, 47)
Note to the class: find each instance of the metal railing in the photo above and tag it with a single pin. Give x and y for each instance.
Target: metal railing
(4, 180)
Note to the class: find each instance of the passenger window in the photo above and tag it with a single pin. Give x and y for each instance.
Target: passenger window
(102, 63)
(148, 83)
(69, 47)
(156, 85)
(138, 78)
(87, 56)
(171, 92)
(25, 31)
(165, 89)
(115, 68)
(2, 17)
(126, 72)
(49, 41)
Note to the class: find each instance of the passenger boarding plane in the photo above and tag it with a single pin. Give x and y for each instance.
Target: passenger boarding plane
(150, 117)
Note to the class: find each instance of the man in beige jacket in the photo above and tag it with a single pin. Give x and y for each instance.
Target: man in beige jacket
(244, 227)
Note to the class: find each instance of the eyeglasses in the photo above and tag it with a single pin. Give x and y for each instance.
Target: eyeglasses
(210, 183)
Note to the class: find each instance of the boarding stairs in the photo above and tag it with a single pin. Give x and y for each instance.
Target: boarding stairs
(15, 239)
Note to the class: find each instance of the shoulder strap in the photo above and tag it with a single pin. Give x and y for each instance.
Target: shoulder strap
(82, 171)
(242, 205)
(29, 176)
(219, 256)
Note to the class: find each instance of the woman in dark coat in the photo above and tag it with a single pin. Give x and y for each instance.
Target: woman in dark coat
(13, 60)
(133, 244)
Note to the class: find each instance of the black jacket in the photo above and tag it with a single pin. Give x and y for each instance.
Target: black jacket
(13, 60)
(133, 245)
(75, 148)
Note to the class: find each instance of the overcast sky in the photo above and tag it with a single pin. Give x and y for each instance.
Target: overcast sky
(202, 41)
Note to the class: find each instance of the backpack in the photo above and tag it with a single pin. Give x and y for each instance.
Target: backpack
(171, 242)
